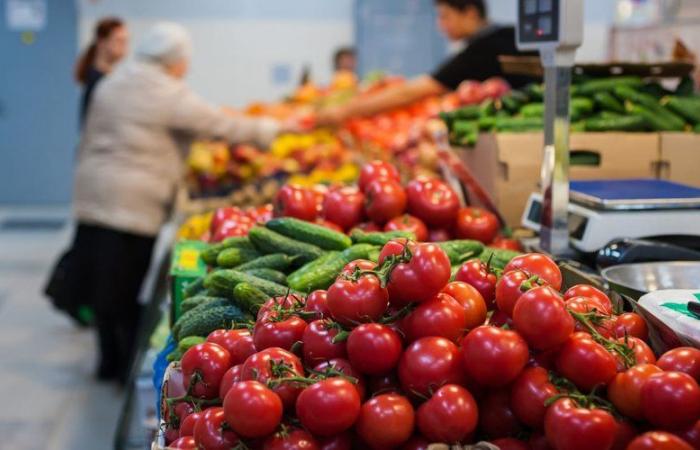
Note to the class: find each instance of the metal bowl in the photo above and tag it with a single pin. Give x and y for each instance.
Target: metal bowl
(638, 279)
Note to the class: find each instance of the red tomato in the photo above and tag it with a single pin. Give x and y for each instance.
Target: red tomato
(296, 439)
(510, 444)
(631, 324)
(369, 226)
(419, 279)
(212, 433)
(471, 300)
(187, 425)
(537, 264)
(220, 216)
(511, 286)
(450, 415)
(184, 443)
(439, 235)
(586, 290)
(358, 264)
(384, 384)
(540, 316)
(278, 329)
(377, 170)
(625, 390)
(441, 316)
(586, 305)
(569, 427)
(170, 435)
(643, 354)
(341, 441)
(671, 400)
(477, 223)
(263, 367)
(385, 421)
(528, 395)
(506, 244)
(206, 362)
(384, 200)
(318, 342)
(177, 413)
(429, 363)
(252, 410)
(408, 223)
(317, 302)
(295, 201)
(625, 433)
(331, 368)
(585, 362)
(230, 228)
(682, 359)
(374, 349)
(238, 343)
(344, 207)
(328, 407)
(432, 201)
(290, 301)
(658, 440)
(232, 376)
(691, 434)
(479, 275)
(328, 224)
(356, 301)
(496, 418)
(493, 356)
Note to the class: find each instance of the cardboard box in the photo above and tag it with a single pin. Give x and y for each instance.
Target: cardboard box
(680, 158)
(185, 267)
(509, 164)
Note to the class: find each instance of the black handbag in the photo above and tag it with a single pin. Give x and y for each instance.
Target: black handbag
(62, 290)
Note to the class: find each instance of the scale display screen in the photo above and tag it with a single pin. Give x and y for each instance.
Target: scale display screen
(538, 21)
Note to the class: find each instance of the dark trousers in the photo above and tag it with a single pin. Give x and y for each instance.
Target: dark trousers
(111, 266)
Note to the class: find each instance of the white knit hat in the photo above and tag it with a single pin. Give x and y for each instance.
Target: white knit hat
(166, 43)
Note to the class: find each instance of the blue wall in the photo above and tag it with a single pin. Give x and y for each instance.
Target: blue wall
(38, 110)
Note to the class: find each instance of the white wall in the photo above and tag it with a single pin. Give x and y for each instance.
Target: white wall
(244, 50)
(599, 16)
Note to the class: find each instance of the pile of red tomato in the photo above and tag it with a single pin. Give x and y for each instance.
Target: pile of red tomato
(428, 207)
(231, 221)
(395, 356)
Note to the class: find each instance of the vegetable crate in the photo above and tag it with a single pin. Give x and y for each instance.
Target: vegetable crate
(680, 157)
(508, 165)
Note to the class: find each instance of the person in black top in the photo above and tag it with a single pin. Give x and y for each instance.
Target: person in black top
(109, 45)
(459, 20)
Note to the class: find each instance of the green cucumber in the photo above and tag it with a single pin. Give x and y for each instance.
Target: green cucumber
(359, 251)
(204, 305)
(686, 107)
(378, 237)
(268, 274)
(469, 112)
(268, 241)
(535, 92)
(662, 120)
(607, 102)
(232, 257)
(618, 123)
(210, 254)
(184, 345)
(608, 84)
(321, 273)
(310, 233)
(519, 124)
(190, 303)
(655, 121)
(532, 110)
(193, 288)
(276, 261)
(204, 322)
(248, 297)
(461, 250)
(465, 133)
(224, 281)
(498, 258)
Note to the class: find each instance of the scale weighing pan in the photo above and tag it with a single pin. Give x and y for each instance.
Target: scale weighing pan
(634, 195)
(637, 279)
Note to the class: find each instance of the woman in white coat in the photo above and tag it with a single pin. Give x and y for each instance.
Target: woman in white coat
(131, 159)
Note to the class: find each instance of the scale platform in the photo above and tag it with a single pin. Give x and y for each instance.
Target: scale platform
(603, 210)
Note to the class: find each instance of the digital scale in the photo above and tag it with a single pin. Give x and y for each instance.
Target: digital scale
(603, 210)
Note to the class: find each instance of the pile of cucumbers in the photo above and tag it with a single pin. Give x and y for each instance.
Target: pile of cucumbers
(623, 103)
(287, 256)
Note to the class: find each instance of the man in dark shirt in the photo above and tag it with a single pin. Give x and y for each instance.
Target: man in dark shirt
(459, 20)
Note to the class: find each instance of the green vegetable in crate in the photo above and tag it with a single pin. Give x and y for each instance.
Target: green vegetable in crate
(204, 305)
(224, 281)
(608, 84)
(210, 254)
(607, 102)
(321, 273)
(232, 257)
(498, 258)
(204, 322)
(654, 89)
(378, 237)
(268, 274)
(487, 123)
(581, 106)
(535, 92)
(519, 124)
(487, 108)
(275, 261)
(616, 123)
(532, 110)
(686, 87)
(465, 132)
(664, 119)
(654, 120)
(696, 129)
(193, 288)
(190, 303)
(268, 241)
(248, 297)
(577, 127)
(310, 233)
(470, 112)
(686, 107)
(461, 250)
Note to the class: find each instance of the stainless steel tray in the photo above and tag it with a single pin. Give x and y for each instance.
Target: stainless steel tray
(638, 279)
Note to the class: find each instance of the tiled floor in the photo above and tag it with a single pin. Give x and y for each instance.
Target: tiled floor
(49, 398)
